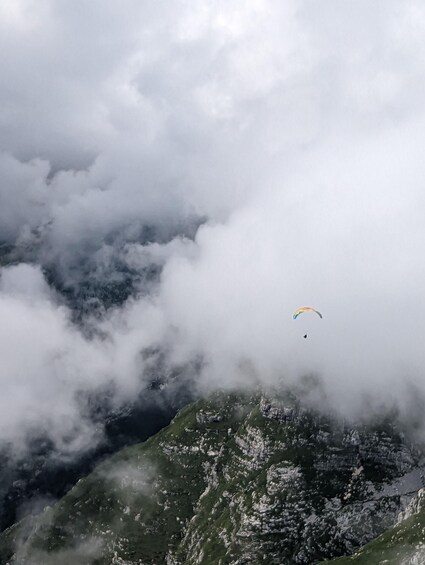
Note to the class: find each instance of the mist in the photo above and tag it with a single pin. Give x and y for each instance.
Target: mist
(218, 165)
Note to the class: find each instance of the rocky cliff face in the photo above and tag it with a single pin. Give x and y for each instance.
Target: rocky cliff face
(401, 544)
(233, 480)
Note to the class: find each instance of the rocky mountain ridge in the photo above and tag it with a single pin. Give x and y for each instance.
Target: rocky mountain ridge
(235, 479)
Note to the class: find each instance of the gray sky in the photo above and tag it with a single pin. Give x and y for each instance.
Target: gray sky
(295, 128)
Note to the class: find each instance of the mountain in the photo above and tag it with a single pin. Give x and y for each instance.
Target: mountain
(40, 473)
(234, 479)
(402, 544)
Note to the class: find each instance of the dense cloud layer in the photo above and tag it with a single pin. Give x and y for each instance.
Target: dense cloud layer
(290, 132)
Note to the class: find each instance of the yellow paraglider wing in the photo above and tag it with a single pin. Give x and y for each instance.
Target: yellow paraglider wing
(305, 309)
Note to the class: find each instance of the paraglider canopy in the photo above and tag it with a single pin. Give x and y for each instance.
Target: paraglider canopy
(305, 309)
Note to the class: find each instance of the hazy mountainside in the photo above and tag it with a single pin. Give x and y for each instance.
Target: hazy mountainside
(38, 473)
(233, 480)
(26, 481)
(403, 544)
(102, 273)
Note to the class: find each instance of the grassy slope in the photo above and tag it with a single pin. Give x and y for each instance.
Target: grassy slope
(98, 505)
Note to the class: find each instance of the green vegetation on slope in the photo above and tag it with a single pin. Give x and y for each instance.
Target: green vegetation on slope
(234, 479)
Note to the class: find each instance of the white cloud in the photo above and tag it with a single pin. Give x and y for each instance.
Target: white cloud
(295, 128)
